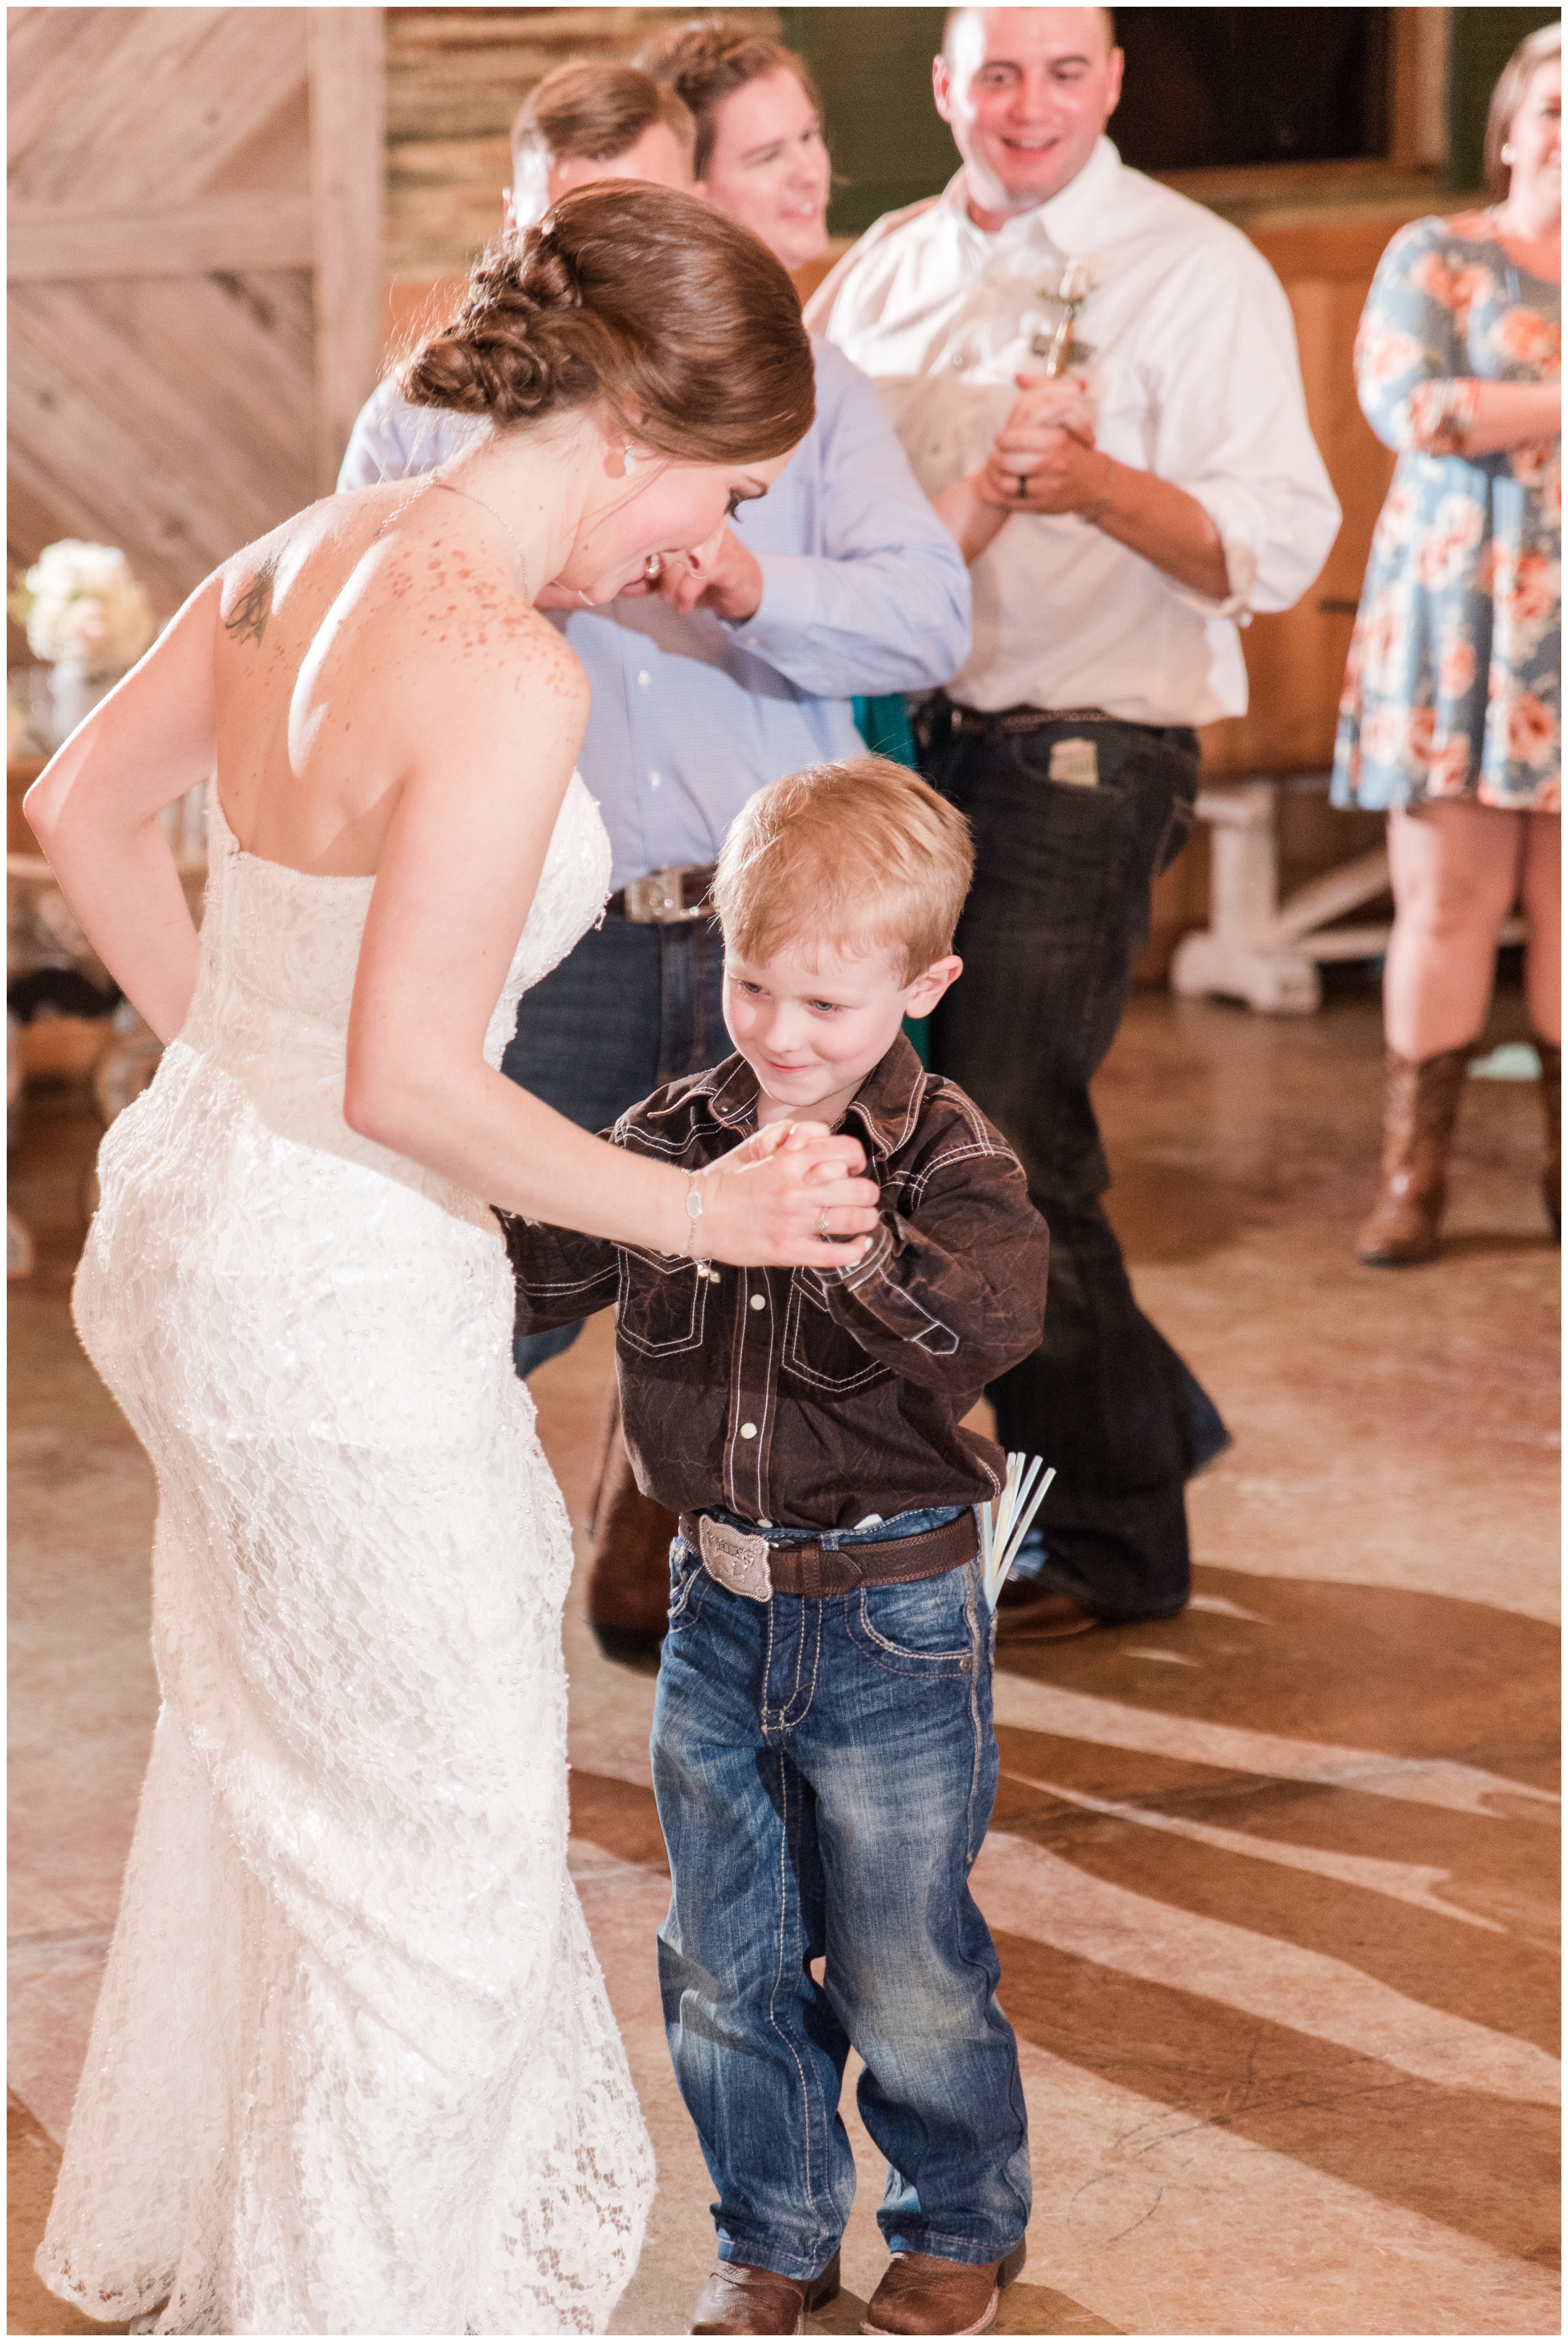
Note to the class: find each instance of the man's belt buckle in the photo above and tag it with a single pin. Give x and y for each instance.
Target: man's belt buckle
(655, 900)
(739, 1563)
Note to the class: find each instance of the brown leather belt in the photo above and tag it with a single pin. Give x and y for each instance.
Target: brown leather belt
(665, 899)
(813, 1570)
(976, 722)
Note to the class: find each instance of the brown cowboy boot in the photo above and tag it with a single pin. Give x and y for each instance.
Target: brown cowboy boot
(1551, 1056)
(741, 2300)
(923, 2295)
(1027, 1612)
(1420, 1103)
(629, 1583)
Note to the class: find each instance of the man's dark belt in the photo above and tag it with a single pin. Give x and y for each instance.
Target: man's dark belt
(665, 899)
(814, 1570)
(976, 722)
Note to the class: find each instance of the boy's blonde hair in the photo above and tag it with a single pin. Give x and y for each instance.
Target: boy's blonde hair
(862, 856)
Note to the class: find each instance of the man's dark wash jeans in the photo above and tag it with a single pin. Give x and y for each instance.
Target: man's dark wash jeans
(629, 1008)
(1054, 922)
(825, 1771)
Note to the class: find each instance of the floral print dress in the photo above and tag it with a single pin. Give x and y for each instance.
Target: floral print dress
(1454, 687)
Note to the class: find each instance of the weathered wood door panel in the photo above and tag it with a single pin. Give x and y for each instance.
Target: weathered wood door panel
(194, 264)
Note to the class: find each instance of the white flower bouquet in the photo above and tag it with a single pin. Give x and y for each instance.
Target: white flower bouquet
(83, 608)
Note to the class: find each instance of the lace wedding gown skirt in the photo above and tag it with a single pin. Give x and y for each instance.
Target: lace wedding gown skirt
(353, 2069)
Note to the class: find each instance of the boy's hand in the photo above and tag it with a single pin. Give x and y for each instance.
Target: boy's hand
(768, 1205)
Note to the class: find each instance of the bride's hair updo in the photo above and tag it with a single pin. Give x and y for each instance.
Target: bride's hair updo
(680, 320)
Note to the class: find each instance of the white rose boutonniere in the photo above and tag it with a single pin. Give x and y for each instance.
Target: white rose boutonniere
(1078, 279)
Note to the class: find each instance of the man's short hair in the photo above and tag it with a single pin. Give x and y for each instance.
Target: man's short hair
(1107, 16)
(859, 857)
(594, 110)
(707, 60)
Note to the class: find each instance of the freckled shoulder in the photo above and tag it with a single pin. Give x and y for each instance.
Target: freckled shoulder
(545, 660)
(444, 607)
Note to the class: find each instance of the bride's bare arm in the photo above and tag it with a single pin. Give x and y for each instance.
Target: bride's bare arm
(94, 810)
(488, 757)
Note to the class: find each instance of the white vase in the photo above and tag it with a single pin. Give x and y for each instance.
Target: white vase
(76, 693)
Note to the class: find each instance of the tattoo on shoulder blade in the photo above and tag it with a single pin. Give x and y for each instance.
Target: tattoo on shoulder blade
(247, 620)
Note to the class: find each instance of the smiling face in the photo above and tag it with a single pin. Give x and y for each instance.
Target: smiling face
(769, 168)
(663, 506)
(813, 1029)
(1027, 92)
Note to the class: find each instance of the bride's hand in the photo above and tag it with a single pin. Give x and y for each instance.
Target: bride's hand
(767, 1204)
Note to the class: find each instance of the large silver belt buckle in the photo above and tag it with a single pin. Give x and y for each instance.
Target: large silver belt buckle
(654, 900)
(739, 1562)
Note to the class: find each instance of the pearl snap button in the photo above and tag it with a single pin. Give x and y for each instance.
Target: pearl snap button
(759, 1301)
(748, 1431)
(764, 1524)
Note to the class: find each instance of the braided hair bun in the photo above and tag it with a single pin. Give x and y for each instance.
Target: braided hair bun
(680, 320)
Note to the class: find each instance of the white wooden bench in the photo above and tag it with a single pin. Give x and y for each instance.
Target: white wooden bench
(1256, 948)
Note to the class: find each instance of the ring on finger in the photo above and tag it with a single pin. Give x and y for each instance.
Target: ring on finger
(822, 1227)
(652, 566)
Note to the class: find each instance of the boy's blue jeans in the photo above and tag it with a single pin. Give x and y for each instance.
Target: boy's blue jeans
(824, 1773)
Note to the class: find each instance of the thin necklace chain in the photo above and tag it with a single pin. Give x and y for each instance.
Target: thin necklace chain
(453, 489)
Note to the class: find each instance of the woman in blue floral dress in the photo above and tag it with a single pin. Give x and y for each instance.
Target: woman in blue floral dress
(1452, 713)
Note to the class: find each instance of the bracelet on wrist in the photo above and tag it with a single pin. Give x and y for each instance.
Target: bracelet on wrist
(693, 1213)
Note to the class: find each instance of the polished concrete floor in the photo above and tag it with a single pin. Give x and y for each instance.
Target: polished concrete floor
(1273, 1883)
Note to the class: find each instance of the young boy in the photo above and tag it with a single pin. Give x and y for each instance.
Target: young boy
(823, 1750)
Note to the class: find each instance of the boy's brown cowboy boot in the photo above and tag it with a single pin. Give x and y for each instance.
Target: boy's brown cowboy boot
(1551, 1056)
(741, 2300)
(1421, 1104)
(923, 2295)
(629, 1583)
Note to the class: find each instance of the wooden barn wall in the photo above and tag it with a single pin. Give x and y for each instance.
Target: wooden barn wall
(454, 80)
(195, 262)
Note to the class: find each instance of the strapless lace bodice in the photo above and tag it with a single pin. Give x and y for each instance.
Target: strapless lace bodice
(353, 2069)
(290, 941)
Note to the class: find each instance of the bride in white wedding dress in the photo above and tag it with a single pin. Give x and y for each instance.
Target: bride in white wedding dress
(353, 2068)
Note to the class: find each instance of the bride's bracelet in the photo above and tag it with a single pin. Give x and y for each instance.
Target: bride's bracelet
(693, 1213)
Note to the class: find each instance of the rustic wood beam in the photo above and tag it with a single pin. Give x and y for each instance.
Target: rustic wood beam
(46, 242)
(1418, 87)
(347, 169)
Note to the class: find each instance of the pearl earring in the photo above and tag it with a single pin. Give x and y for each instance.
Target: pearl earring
(1505, 153)
(628, 461)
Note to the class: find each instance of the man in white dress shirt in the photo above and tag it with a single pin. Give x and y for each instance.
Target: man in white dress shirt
(1121, 513)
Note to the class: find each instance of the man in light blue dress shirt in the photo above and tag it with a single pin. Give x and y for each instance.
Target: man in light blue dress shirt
(862, 591)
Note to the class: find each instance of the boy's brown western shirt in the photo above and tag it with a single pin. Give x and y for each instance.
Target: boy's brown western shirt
(808, 1399)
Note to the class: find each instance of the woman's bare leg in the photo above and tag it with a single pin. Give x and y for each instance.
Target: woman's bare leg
(1457, 870)
(1541, 891)
(1542, 894)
